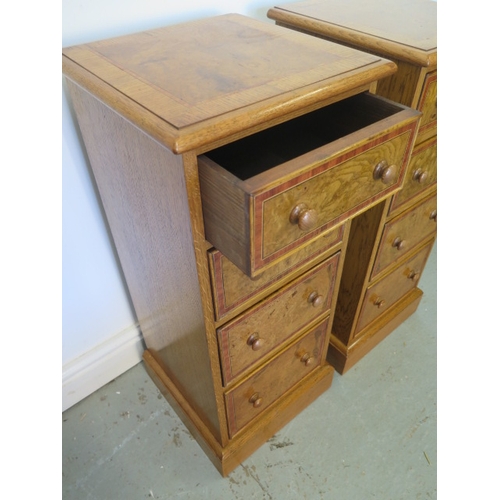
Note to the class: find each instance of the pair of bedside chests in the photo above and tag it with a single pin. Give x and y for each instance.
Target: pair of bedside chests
(271, 194)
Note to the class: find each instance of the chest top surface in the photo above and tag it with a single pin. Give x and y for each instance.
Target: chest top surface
(405, 23)
(192, 82)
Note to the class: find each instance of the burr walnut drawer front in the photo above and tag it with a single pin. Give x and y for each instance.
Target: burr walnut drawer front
(421, 175)
(246, 340)
(269, 194)
(405, 232)
(255, 394)
(428, 105)
(234, 291)
(384, 293)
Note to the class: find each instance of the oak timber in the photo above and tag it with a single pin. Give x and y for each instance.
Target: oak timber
(149, 106)
(399, 29)
(404, 31)
(143, 191)
(239, 90)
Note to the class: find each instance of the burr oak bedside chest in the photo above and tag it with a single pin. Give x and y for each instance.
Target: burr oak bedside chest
(390, 243)
(231, 156)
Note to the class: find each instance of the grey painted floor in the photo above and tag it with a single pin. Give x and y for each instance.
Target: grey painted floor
(372, 435)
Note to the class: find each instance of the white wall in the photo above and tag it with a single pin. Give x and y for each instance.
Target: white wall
(99, 336)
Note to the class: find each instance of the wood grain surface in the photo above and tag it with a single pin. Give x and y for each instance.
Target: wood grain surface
(428, 105)
(423, 163)
(234, 290)
(143, 191)
(249, 72)
(343, 358)
(276, 378)
(276, 319)
(248, 219)
(365, 230)
(392, 287)
(405, 31)
(399, 29)
(411, 227)
(156, 109)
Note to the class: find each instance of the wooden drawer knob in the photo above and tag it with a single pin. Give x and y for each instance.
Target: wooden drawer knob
(255, 342)
(256, 400)
(398, 243)
(385, 172)
(420, 176)
(379, 302)
(434, 215)
(306, 218)
(315, 299)
(307, 359)
(413, 275)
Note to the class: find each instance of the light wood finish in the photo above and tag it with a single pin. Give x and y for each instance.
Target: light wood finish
(345, 357)
(362, 274)
(255, 394)
(147, 209)
(405, 32)
(400, 29)
(266, 326)
(402, 234)
(250, 197)
(365, 232)
(238, 91)
(234, 291)
(154, 109)
(403, 89)
(270, 421)
(428, 105)
(384, 293)
(421, 177)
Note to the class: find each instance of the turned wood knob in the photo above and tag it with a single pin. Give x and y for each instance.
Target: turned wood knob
(385, 172)
(307, 359)
(379, 302)
(398, 243)
(413, 275)
(315, 299)
(420, 176)
(255, 342)
(255, 400)
(306, 218)
(434, 215)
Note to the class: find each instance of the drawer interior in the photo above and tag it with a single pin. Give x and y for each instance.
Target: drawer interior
(264, 150)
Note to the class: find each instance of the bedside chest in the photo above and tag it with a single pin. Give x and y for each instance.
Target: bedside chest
(231, 156)
(386, 260)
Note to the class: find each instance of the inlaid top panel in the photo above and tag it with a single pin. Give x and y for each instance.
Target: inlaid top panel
(212, 72)
(410, 23)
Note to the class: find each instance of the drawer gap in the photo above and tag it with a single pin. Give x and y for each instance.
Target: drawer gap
(264, 150)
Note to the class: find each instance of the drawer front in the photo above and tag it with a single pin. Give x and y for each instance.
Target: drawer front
(250, 398)
(386, 292)
(404, 233)
(421, 175)
(234, 289)
(428, 106)
(246, 340)
(329, 193)
(268, 195)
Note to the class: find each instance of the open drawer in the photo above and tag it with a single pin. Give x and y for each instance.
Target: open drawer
(267, 195)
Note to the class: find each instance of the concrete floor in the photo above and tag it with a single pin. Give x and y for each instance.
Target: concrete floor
(372, 435)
